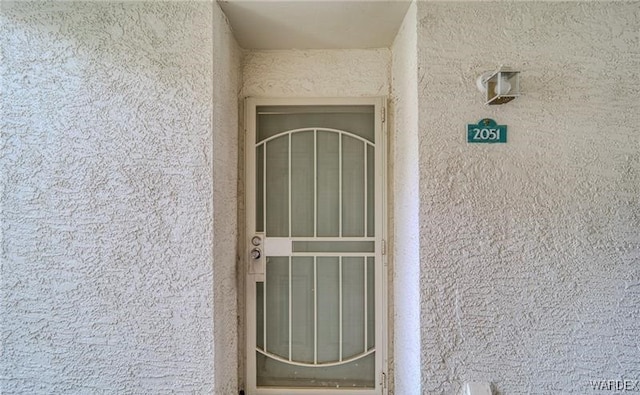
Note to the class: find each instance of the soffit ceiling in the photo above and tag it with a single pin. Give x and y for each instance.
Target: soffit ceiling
(314, 24)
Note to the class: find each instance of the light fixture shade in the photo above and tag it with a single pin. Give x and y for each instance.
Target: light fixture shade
(500, 86)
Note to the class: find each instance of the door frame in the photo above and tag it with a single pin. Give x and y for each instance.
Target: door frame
(382, 328)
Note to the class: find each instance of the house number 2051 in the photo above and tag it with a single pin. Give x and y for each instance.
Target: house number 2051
(486, 134)
(486, 131)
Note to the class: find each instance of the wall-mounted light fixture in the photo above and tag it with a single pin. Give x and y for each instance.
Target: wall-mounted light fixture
(500, 86)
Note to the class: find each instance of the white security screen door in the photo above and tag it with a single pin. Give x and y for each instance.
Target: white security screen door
(315, 278)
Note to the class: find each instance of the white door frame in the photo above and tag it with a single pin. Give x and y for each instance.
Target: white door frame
(379, 104)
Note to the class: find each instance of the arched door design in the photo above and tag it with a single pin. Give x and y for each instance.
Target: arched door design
(315, 286)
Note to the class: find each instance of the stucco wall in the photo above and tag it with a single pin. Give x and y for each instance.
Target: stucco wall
(316, 73)
(108, 205)
(530, 264)
(227, 79)
(405, 203)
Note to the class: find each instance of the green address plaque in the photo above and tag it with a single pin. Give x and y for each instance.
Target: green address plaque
(486, 131)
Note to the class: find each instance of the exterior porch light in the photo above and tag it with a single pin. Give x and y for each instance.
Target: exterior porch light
(500, 86)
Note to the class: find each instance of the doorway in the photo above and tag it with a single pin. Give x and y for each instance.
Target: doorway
(315, 249)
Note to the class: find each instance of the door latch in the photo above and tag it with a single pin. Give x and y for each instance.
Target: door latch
(256, 257)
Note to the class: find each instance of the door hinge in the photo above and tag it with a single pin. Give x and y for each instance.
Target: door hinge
(384, 114)
(383, 248)
(383, 381)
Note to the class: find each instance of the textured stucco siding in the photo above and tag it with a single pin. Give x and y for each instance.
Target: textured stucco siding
(404, 177)
(317, 73)
(226, 82)
(530, 250)
(107, 281)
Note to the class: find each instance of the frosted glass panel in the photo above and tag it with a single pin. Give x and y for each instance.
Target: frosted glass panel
(358, 374)
(344, 294)
(277, 306)
(302, 183)
(302, 328)
(260, 189)
(353, 177)
(358, 120)
(328, 309)
(328, 184)
(353, 306)
(315, 315)
(333, 246)
(260, 315)
(371, 305)
(371, 184)
(277, 178)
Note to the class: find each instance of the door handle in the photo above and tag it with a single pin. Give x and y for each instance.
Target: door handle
(256, 258)
(256, 253)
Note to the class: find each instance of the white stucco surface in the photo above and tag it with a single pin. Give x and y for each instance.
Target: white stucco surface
(530, 257)
(110, 198)
(118, 205)
(226, 85)
(406, 206)
(317, 73)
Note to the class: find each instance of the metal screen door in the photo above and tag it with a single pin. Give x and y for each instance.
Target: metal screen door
(315, 290)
